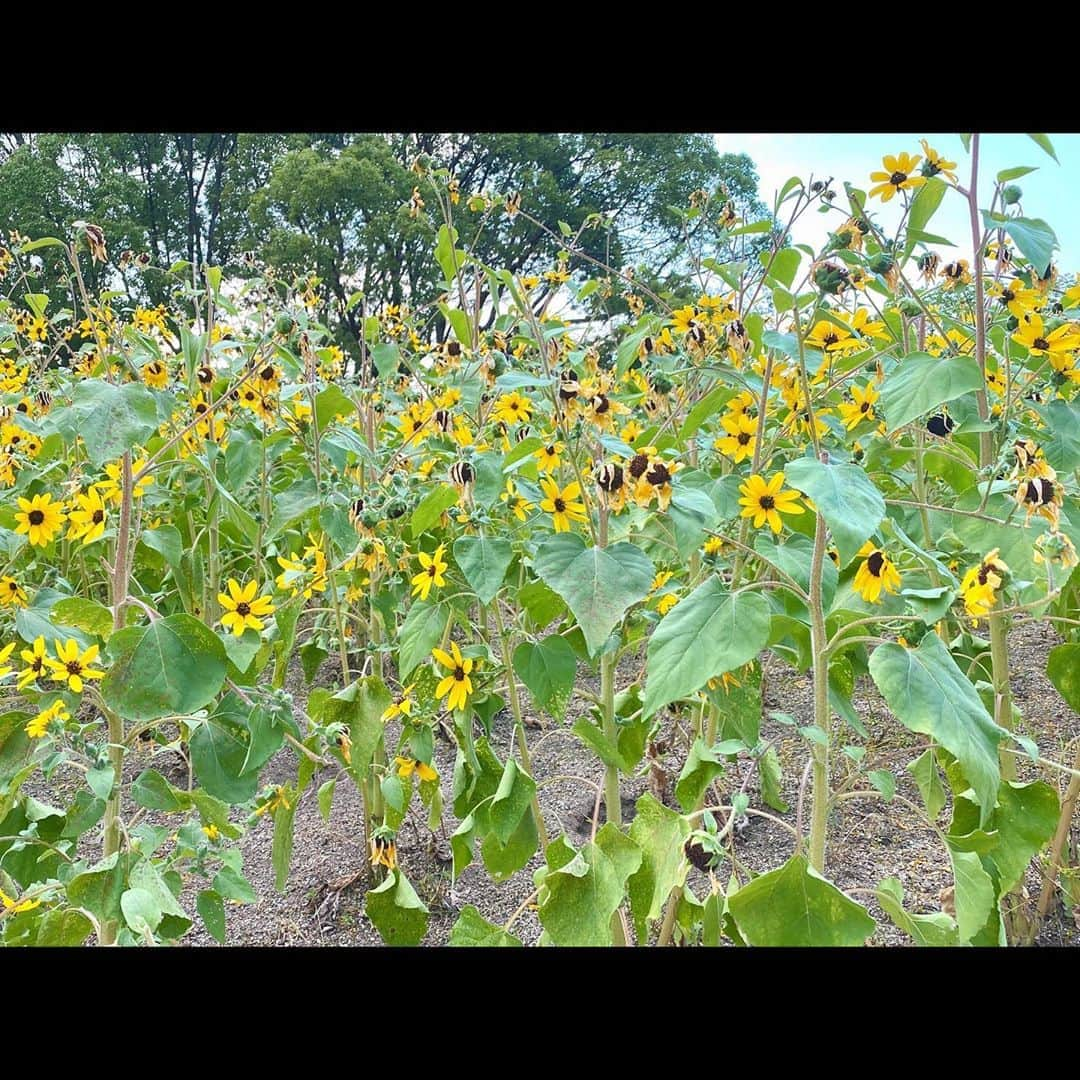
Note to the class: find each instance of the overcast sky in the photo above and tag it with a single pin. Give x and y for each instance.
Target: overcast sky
(1050, 193)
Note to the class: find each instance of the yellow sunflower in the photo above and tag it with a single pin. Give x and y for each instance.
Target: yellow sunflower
(898, 176)
(73, 667)
(457, 686)
(432, 573)
(561, 505)
(242, 609)
(40, 518)
(765, 501)
(88, 522)
(875, 573)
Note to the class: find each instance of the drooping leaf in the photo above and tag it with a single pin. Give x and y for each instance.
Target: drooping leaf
(396, 911)
(929, 694)
(660, 833)
(472, 930)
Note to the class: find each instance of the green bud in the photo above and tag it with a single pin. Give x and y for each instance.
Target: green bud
(1011, 194)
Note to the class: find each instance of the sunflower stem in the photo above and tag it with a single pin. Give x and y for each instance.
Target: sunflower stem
(820, 751)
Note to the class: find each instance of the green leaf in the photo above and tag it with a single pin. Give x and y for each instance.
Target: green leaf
(41, 242)
(1015, 173)
(884, 781)
(100, 780)
(141, 911)
(579, 897)
(86, 615)
(1061, 441)
(503, 860)
(421, 631)
(241, 650)
(770, 773)
(1063, 670)
(332, 402)
(1044, 143)
(219, 749)
(708, 633)
(176, 668)
(924, 205)
(660, 833)
(703, 765)
(785, 265)
(290, 505)
(111, 419)
(431, 508)
(598, 584)
(693, 513)
(1034, 238)
(360, 706)
(513, 798)
(211, 909)
(548, 668)
(935, 930)
(540, 603)
(472, 930)
(153, 791)
(929, 694)
(165, 540)
(232, 885)
(974, 892)
(99, 888)
(1025, 819)
(63, 929)
(920, 384)
(795, 906)
(845, 497)
(396, 911)
(459, 321)
(924, 770)
(326, 798)
(484, 562)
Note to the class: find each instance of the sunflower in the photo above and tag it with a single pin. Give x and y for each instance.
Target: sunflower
(860, 408)
(1020, 300)
(876, 572)
(935, 164)
(561, 505)
(39, 726)
(383, 851)
(1040, 495)
(548, 457)
(34, 658)
(766, 501)
(155, 375)
(11, 593)
(71, 666)
(741, 430)
(518, 504)
(862, 324)
(897, 176)
(5, 652)
(40, 517)
(980, 585)
(88, 522)
(113, 488)
(512, 409)
(432, 573)
(1032, 335)
(832, 338)
(457, 686)
(242, 609)
(407, 766)
(402, 706)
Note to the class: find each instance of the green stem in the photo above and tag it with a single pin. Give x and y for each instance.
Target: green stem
(820, 751)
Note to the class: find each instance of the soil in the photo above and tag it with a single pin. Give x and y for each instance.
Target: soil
(868, 839)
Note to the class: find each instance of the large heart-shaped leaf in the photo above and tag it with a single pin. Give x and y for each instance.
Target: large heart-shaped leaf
(844, 496)
(708, 633)
(920, 384)
(598, 584)
(484, 561)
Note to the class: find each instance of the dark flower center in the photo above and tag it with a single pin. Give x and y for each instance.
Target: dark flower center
(658, 474)
(36, 517)
(243, 609)
(864, 406)
(432, 571)
(99, 517)
(560, 506)
(638, 464)
(74, 667)
(897, 178)
(875, 563)
(1040, 343)
(459, 674)
(767, 502)
(742, 438)
(831, 339)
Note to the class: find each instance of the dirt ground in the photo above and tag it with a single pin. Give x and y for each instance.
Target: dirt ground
(868, 839)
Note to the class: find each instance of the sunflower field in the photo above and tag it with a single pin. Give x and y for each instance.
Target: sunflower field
(245, 572)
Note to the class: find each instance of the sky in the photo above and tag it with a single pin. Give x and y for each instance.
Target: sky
(1049, 193)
